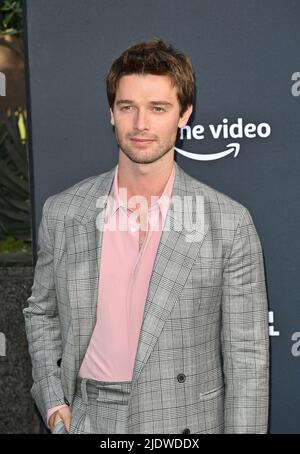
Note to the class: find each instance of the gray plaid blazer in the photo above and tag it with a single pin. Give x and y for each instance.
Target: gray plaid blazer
(202, 360)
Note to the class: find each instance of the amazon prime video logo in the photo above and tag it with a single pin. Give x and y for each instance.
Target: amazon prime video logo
(295, 88)
(296, 345)
(224, 130)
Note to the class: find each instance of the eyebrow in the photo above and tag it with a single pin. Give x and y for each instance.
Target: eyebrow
(129, 101)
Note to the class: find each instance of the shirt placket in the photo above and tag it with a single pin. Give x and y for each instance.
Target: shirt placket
(139, 255)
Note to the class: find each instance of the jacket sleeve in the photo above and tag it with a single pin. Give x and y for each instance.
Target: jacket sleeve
(43, 326)
(244, 334)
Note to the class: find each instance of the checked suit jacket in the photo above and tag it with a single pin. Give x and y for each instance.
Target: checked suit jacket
(202, 361)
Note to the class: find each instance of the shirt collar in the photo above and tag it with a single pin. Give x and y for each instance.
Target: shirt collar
(115, 202)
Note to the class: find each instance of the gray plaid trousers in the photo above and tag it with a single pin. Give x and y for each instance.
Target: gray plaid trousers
(98, 408)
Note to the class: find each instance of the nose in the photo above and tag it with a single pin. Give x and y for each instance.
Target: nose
(141, 120)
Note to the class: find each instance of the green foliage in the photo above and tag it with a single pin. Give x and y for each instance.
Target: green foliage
(14, 183)
(11, 244)
(11, 21)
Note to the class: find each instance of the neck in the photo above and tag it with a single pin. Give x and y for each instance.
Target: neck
(144, 179)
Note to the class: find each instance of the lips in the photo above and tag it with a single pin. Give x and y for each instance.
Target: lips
(141, 143)
(141, 140)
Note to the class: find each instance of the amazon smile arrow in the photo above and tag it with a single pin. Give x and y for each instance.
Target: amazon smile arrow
(231, 148)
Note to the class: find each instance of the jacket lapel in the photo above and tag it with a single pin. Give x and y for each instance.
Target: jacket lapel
(175, 256)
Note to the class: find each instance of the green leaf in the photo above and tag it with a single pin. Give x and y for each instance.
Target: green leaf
(14, 182)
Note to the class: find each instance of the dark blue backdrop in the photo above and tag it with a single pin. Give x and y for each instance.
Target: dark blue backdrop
(246, 59)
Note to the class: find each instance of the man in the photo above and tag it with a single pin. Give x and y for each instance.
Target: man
(161, 326)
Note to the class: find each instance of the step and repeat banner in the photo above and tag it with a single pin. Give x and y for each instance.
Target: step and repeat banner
(243, 137)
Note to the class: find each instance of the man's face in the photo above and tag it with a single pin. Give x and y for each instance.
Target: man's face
(146, 108)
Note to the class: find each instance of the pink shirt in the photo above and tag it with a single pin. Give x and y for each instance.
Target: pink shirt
(125, 272)
(110, 355)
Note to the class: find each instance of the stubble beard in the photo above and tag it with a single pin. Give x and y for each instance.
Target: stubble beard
(152, 153)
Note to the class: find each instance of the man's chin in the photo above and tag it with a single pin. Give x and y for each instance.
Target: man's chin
(142, 159)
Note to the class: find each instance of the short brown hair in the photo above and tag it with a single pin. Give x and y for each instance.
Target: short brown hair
(154, 57)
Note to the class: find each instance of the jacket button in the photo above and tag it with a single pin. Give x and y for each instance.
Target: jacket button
(58, 362)
(66, 401)
(186, 431)
(181, 378)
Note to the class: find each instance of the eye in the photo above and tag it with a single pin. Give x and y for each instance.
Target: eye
(126, 107)
(160, 109)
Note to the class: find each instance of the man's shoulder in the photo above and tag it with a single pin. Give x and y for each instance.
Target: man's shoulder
(218, 202)
(67, 201)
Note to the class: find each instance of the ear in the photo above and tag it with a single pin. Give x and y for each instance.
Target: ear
(112, 118)
(185, 117)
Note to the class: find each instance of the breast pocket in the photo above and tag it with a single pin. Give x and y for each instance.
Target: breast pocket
(208, 272)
